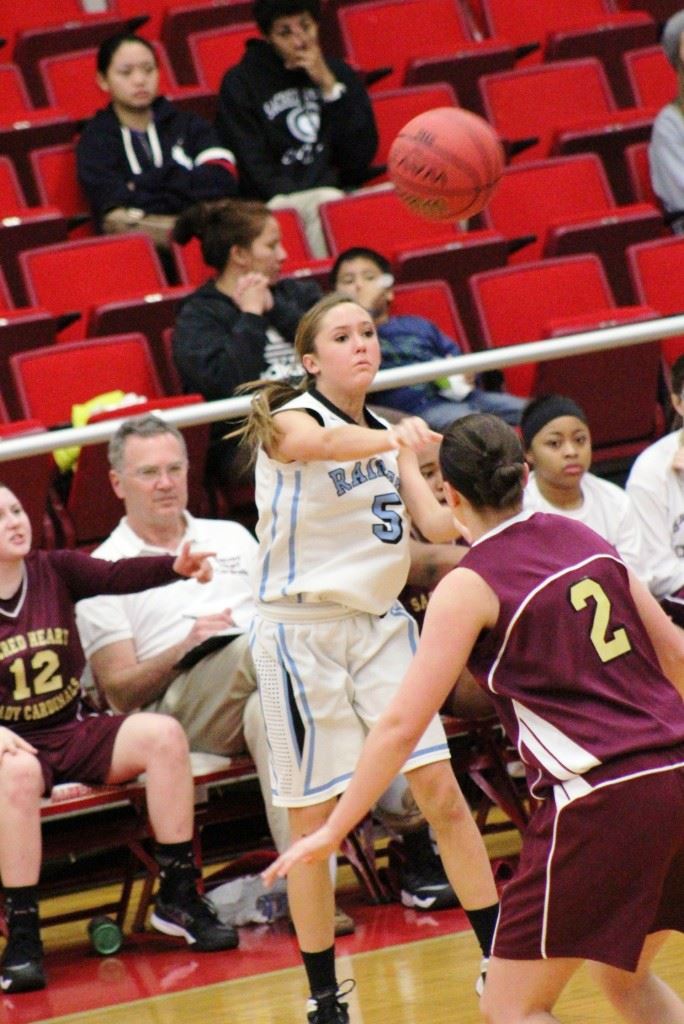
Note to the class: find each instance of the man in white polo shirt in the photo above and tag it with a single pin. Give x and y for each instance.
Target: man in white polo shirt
(177, 649)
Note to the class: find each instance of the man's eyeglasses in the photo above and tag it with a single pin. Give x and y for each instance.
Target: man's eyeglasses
(150, 474)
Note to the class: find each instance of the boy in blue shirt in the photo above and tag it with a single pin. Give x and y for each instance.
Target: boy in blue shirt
(364, 275)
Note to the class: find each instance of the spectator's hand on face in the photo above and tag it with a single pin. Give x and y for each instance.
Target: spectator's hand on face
(678, 461)
(253, 294)
(311, 60)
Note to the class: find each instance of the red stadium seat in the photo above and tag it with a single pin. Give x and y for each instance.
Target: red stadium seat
(434, 301)
(22, 330)
(567, 203)
(421, 41)
(14, 97)
(114, 281)
(514, 304)
(89, 368)
(84, 369)
(54, 172)
(218, 49)
(21, 133)
(562, 31)
(22, 227)
(180, 22)
(608, 41)
(395, 107)
(652, 79)
(579, 114)
(37, 30)
(656, 269)
(639, 173)
(552, 297)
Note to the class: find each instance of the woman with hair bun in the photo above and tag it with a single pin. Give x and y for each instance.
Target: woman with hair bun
(240, 325)
(587, 675)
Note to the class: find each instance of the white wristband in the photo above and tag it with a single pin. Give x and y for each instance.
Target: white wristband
(338, 90)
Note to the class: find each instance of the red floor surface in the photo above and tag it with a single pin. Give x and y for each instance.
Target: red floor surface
(152, 964)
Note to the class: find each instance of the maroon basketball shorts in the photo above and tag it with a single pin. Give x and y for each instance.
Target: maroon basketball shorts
(78, 751)
(599, 874)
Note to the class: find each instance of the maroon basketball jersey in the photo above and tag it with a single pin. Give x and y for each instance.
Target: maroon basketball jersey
(40, 653)
(569, 665)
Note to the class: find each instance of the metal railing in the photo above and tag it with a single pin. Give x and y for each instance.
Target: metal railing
(476, 362)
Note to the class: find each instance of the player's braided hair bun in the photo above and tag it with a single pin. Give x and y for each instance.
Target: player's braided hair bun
(482, 458)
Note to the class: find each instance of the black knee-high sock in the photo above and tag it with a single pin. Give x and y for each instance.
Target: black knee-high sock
(483, 923)
(320, 970)
(177, 864)
(21, 904)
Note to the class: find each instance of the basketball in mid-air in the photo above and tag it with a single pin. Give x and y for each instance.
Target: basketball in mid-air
(445, 163)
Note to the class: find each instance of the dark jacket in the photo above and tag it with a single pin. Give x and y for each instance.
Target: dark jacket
(284, 136)
(217, 347)
(116, 169)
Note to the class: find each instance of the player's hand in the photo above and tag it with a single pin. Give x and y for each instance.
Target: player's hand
(194, 564)
(11, 743)
(414, 433)
(318, 846)
(253, 294)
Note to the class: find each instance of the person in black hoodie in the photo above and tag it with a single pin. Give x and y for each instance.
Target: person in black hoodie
(141, 160)
(239, 326)
(300, 124)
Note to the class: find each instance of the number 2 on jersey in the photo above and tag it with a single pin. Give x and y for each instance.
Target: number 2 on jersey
(608, 646)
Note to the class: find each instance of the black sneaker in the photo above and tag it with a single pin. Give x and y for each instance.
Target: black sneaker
(328, 1008)
(21, 968)
(193, 917)
(423, 881)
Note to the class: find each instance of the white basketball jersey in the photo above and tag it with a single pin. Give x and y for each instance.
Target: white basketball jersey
(331, 531)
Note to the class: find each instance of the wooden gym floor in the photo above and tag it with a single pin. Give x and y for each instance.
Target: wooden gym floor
(409, 968)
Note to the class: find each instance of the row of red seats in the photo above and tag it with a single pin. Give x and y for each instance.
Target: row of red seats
(44, 377)
(512, 304)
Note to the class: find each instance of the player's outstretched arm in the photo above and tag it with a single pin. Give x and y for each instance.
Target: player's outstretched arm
(194, 564)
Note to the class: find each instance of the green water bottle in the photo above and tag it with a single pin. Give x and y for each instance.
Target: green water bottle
(105, 935)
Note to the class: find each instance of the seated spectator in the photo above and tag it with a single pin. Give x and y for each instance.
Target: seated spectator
(136, 644)
(300, 124)
(557, 444)
(656, 488)
(142, 160)
(364, 275)
(52, 735)
(145, 650)
(240, 325)
(666, 149)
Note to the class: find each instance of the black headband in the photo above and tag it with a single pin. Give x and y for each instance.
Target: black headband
(550, 409)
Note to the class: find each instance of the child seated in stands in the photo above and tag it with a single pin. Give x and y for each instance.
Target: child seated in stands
(364, 275)
(557, 444)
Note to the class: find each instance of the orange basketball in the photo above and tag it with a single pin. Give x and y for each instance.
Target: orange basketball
(445, 163)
